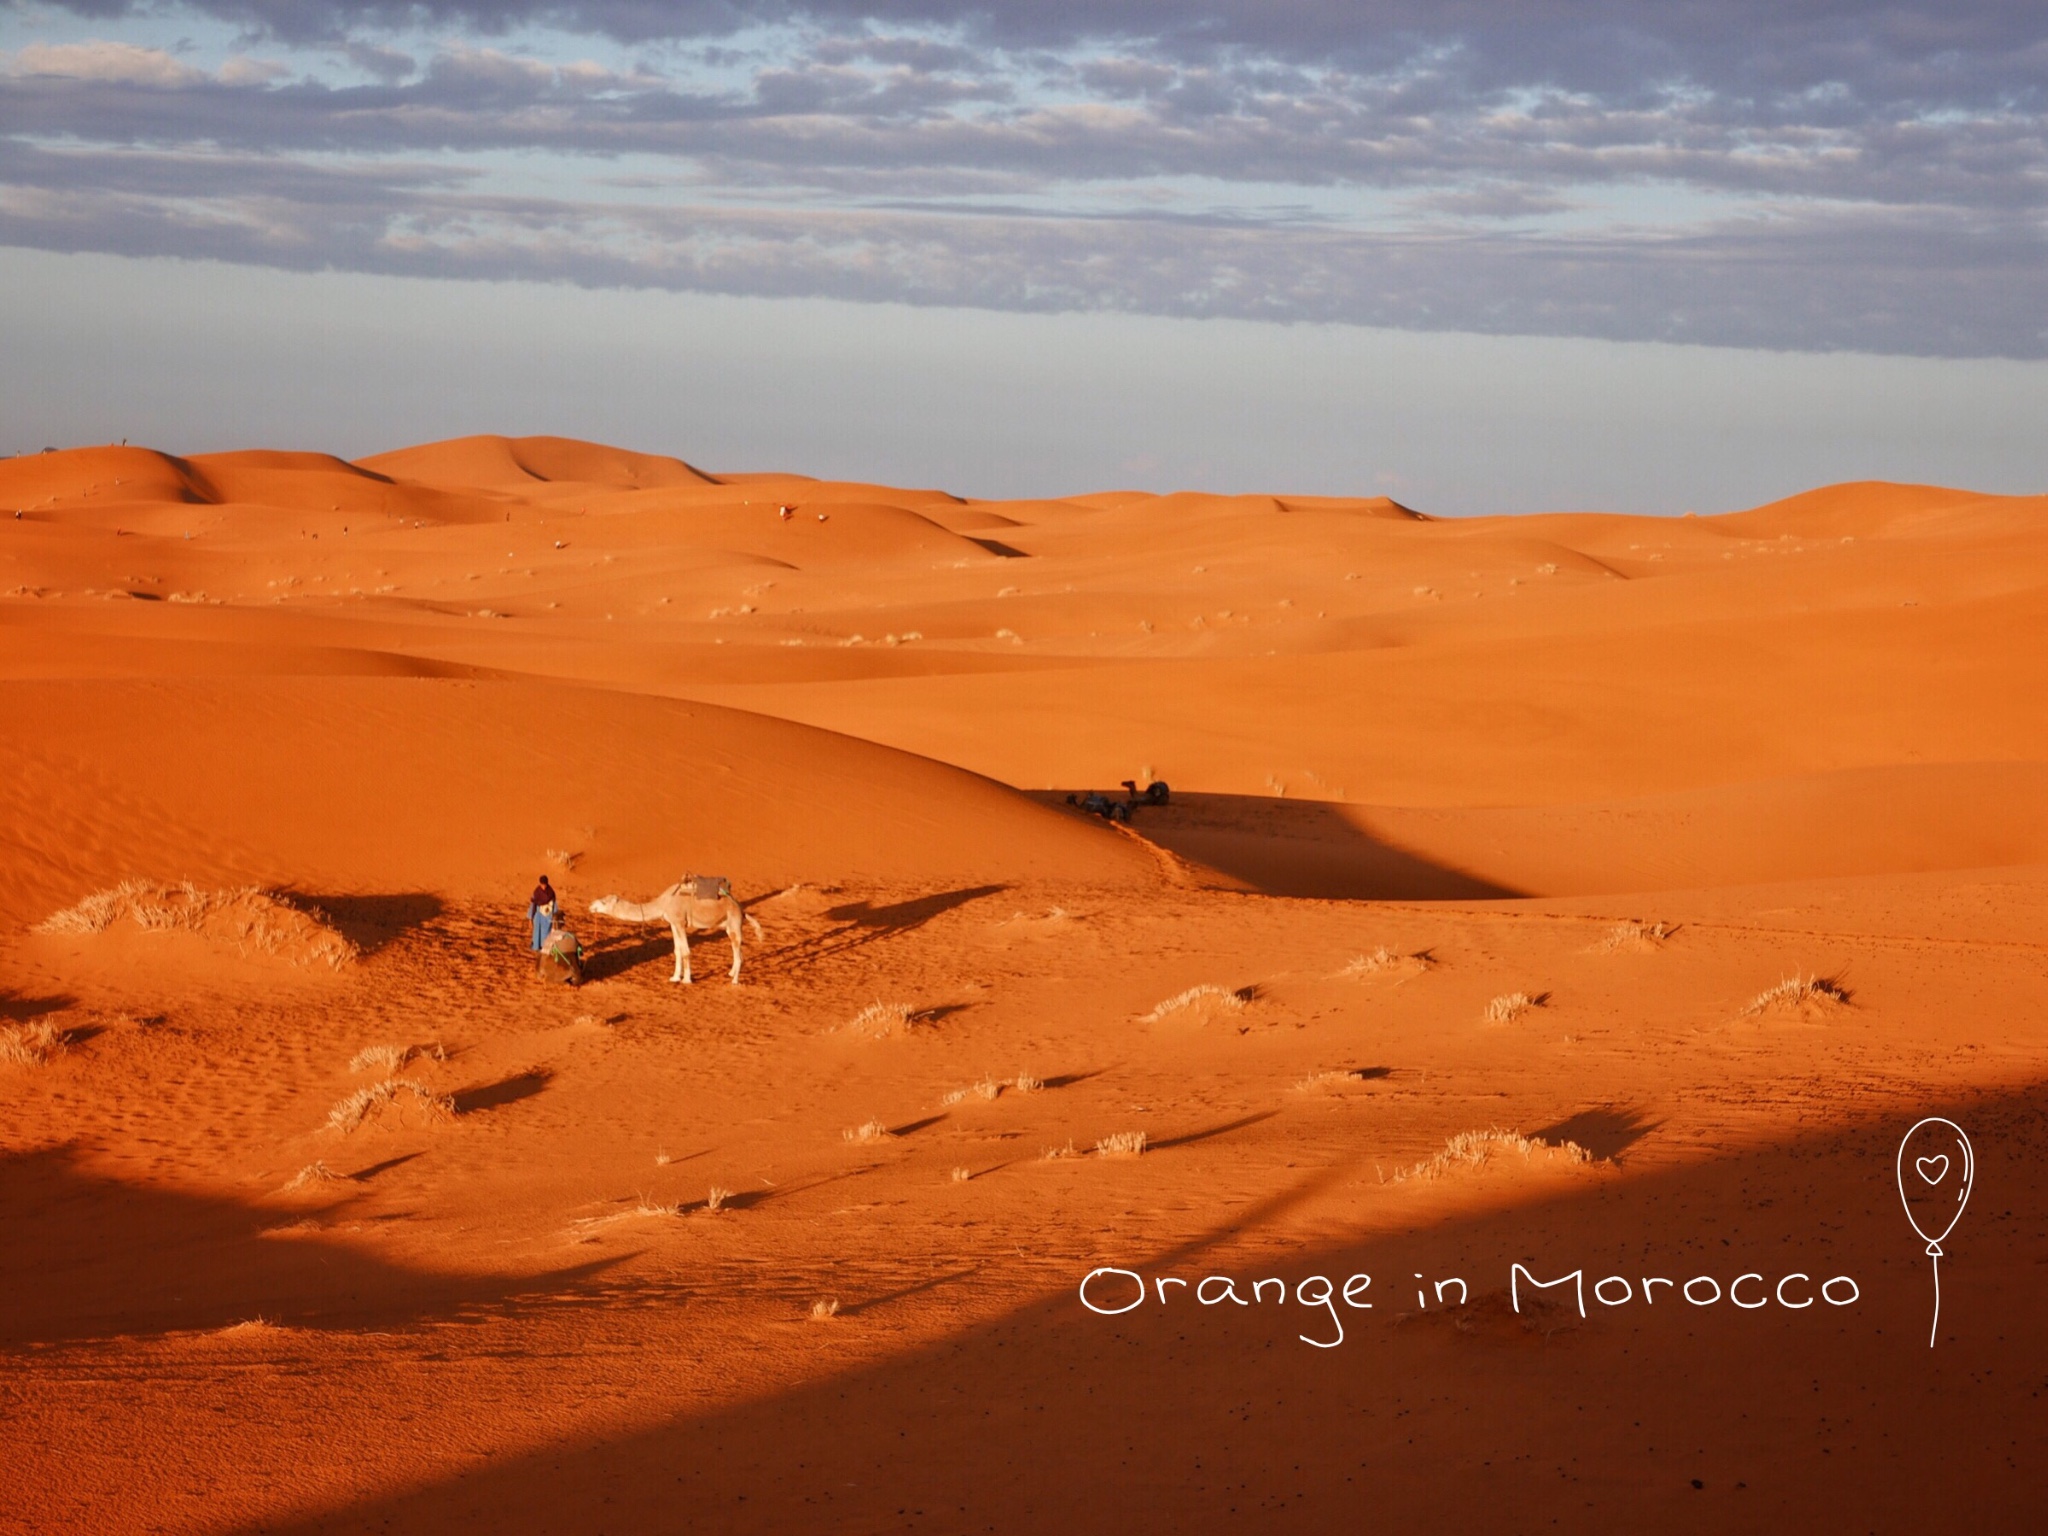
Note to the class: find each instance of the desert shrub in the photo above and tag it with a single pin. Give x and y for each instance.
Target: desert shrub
(1807, 996)
(1204, 998)
(1508, 1007)
(1121, 1144)
(1633, 935)
(400, 1095)
(248, 917)
(30, 1045)
(1334, 1078)
(879, 1019)
(1385, 962)
(1474, 1149)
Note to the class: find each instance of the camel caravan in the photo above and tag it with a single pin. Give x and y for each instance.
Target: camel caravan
(694, 904)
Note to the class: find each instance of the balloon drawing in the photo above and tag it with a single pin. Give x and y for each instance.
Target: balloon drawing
(1936, 1166)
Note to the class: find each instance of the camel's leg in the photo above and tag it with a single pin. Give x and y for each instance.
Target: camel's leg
(682, 936)
(732, 932)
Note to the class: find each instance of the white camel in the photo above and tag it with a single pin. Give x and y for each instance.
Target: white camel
(694, 904)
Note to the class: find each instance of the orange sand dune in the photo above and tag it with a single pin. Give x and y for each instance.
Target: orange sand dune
(1601, 894)
(490, 460)
(1878, 508)
(323, 780)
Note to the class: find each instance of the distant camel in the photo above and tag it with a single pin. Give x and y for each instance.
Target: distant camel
(694, 904)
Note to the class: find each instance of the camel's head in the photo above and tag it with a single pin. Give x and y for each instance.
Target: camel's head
(604, 904)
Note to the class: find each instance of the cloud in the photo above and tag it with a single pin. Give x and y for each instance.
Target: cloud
(243, 70)
(111, 63)
(1808, 173)
(1797, 279)
(389, 65)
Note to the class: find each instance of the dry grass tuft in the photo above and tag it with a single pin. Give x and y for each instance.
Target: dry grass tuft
(988, 1088)
(1474, 1149)
(1026, 1083)
(1054, 1153)
(252, 1327)
(880, 1019)
(1800, 996)
(1385, 962)
(389, 1058)
(715, 1201)
(1336, 1077)
(398, 1094)
(1632, 936)
(867, 1132)
(1206, 998)
(248, 917)
(824, 1309)
(1510, 1006)
(380, 1058)
(313, 1175)
(646, 1206)
(961, 1175)
(1121, 1144)
(30, 1045)
(562, 858)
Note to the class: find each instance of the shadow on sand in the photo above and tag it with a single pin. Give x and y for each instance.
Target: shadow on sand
(15, 1009)
(1606, 1133)
(861, 923)
(1306, 848)
(113, 1259)
(1184, 1417)
(372, 922)
(510, 1090)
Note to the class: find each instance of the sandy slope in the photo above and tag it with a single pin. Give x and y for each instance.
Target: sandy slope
(1639, 772)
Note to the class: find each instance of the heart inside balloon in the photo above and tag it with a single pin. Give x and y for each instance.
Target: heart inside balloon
(1935, 1171)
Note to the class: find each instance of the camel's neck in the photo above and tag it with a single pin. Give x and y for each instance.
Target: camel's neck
(636, 912)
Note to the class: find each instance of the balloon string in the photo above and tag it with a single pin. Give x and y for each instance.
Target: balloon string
(1935, 1263)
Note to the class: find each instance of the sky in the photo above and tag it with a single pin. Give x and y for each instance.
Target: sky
(1651, 255)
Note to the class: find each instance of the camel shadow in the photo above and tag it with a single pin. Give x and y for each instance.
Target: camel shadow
(373, 922)
(605, 959)
(862, 922)
(901, 916)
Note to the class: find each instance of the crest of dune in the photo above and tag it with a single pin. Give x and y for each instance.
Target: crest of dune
(487, 460)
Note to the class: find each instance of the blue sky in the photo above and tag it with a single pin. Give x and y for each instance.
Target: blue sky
(1710, 201)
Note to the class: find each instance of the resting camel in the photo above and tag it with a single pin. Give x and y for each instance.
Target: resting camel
(694, 904)
(561, 958)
